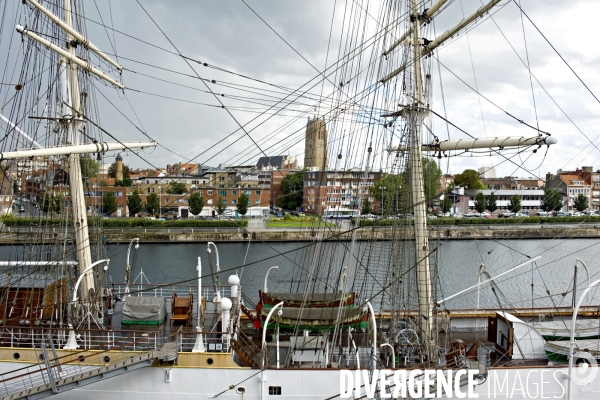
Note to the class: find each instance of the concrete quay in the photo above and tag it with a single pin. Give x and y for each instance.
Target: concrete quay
(258, 232)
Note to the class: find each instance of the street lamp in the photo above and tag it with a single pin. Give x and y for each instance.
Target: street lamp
(381, 205)
(159, 200)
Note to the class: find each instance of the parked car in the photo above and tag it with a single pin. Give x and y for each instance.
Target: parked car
(294, 213)
(301, 214)
(21, 209)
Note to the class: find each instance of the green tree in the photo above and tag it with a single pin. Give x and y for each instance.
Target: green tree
(112, 170)
(391, 191)
(242, 204)
(109, 203)
(469, 179)
(89, 167)
(46, 202)
(367, 207)
(552, 200)
(58, 203)
(446, 203)
(221, 205)
(152, 204)
(126, 182)
(515, 203)
(480, 202)
(581, 202)
(291, 187)
(196, 203)
(134, 202)
(492, 202)
(176, 188)
(432, 176)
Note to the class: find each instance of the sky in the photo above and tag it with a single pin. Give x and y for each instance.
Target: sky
(258, 52)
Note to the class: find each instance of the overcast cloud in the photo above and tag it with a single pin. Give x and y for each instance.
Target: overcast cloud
(228, 35)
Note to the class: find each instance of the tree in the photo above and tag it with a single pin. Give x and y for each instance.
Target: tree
(446, 204)
(242, 204)
(469, 179)
(552, 200)
(515, 203)
(432, 176)
(112, 170)
(176, 188)
(391, 191)
(89, 167)
(291, 187)
(134, 202)
(58, 203)
(152, 203)
(367, 207)
(46, 202)
(109, 203)
(196, 203)
(126, 182)
(221, 205)
(492, 204)
(480, 202)
(581, 202)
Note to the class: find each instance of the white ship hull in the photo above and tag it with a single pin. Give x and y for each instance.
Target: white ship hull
(203, 383)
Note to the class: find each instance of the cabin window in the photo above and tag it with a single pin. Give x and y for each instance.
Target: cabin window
(274, 390)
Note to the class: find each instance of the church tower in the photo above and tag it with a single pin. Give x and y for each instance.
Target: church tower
(315, 145)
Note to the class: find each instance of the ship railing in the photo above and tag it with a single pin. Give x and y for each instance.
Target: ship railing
(144, 290)
(51, 369)
(87, 339)
(214, 342)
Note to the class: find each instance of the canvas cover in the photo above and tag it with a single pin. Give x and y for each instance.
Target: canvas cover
(144, 310)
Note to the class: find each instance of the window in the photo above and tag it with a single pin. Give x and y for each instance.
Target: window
(221, 186)
(274, 390)
(233, 201)
(257, 201)
(223, 193)
(258, 192)
(210, 192)
(209, 201)
(152, 190)
(167, 200)
(234, 192)
(149, 190)
(119, 194)
(221, 179)
(247, 192)
(156, 181)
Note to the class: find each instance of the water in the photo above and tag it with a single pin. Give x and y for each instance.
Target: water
(458, 265)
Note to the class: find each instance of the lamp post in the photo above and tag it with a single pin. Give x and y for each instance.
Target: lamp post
(381, 205)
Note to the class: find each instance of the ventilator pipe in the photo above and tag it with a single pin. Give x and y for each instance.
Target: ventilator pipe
(234, 282)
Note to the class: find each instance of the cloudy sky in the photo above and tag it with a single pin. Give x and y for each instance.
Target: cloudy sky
(261, 55)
